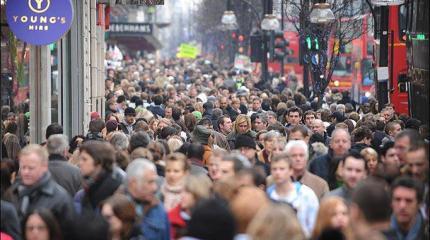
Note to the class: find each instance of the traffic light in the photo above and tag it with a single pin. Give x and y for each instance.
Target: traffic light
(312, 43)
(257, 47)
(278, 46)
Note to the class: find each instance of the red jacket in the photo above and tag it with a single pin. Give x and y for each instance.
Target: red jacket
(177, 223)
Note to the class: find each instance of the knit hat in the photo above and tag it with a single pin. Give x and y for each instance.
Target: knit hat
(198, 115)
(201, 134)
(129, 112)
(111, 125)
(244, 141)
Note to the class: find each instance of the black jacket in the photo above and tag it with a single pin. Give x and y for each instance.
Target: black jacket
(9, 223)
(325, 167)
(46, 193)
(65, 174)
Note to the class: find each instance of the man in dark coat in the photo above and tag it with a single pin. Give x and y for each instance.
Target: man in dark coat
(9, 223)
(36, 188)
(65, 174)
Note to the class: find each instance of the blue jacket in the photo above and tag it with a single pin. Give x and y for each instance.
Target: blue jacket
(155, 224)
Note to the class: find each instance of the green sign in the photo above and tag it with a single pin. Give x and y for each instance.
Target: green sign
(187, 51)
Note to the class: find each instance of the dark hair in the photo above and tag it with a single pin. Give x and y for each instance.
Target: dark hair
(138, 139)
(359, 134)
(408, 182)
(53, 128)
(221, 120)
(294, 109)
(236, 160)
(96, 126)
(309, 112)
(176, 113)
(50, 221)
(103, 153)
(73, 144)
(355, 154)
(195, 150)
(157, 99)
(205, 121)
(299, 128)
(120, 99)
(168, 131)
(385, 147)
(373, 199)
(11, 127)
(277, 127)
(412, 134)
(316, 137)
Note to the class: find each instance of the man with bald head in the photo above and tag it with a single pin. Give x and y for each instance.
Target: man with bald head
(326, 165)
(317, 126)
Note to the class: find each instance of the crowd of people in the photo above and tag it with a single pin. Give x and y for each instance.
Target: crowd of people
(188, 150)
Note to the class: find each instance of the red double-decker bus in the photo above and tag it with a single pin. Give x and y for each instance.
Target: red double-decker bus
(354, 69)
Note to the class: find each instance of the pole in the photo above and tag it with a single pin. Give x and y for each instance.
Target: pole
(382, 86)
(282, 28)
(303, 50)
(267, 9)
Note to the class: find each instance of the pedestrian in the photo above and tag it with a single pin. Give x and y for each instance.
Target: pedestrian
(41, 224)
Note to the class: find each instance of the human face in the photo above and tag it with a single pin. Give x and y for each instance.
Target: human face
(269, 144)
(402, 145)
(318, 127)
(114, 222)
(405, 205)
(226, 127)
(340, 143)
(175, 172)
(87, 164)
(353, 171)
(278, 147)
(256, 105)
(309, 119)
(271, 119)
(259, 125)
(187, 200)
(397, 128)
(298, 159)
(248, 152)
(32, 168)
(168, 112)
(223, 103)
(293, 118)
(129, 119)
(144, 187)
(213, 168)
(340, 219)
(226, 169)
(391, 157)
(297, 135)
(372, 163)
(243, 127)
(36, 229)
(387, 115)
(280, 171)
(418, 163)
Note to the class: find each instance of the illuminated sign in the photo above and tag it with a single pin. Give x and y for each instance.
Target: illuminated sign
(39, 22)
(135, 29)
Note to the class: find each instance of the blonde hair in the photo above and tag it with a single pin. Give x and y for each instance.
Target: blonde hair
(200, 186)
(275, 222)
(141, 152)
(326, 211)
(240, 119)
(369, 152)
(174, 143)
(37, 149)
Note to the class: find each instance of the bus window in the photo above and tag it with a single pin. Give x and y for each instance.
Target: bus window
(403, 21)
(343, 66)
(367, 72)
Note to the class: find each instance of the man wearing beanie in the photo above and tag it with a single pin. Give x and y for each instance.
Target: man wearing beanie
(247, 147)
(203, 136)
(127, 126)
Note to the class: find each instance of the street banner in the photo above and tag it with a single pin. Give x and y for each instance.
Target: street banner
(39, 22)
(243, 62)
(187, 51)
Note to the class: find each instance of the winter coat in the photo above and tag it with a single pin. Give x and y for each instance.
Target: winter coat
(177, 223)
(65, 174)
(9, 220)
(95, 191)
(46, 193)
(325, 167)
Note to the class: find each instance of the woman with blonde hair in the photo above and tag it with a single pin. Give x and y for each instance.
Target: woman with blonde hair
(242, 125)
(276, 222)
(196, 188)
(371, 156)
(332, 215)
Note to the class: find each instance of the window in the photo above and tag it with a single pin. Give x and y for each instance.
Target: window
(367, 72)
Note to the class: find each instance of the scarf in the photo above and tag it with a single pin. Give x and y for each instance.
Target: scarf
(414, 231)
(27, 192)
(171, 195)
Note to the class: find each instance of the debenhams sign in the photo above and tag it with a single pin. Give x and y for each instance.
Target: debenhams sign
(39, 22)
(130, 28)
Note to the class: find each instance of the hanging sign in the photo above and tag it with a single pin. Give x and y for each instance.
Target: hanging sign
(39, 22)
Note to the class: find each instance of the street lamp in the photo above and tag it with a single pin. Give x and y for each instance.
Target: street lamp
(387, 2)
(229, 20)
(270, 22)
(321, 14)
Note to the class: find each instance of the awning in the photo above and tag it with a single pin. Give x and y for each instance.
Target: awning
(148, 43)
